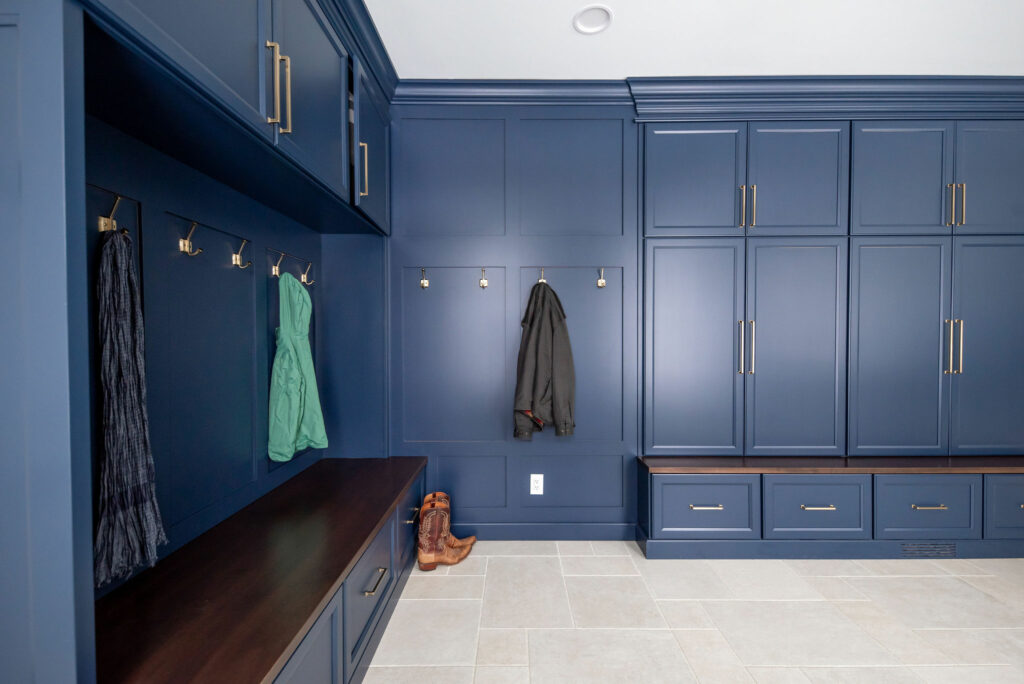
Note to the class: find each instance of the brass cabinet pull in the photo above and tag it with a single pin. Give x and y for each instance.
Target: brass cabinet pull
(287, 93)
(960, 366)
(952, 204)
(373, 592)
(415, 510)
(940, 507)
(716, 507)
(742, 351)
(950, 370)
(963, 203)
(1022, 506)
(365, 191)
(753, 344)
(743, 204)
(276, 48)
(830, 507)
(753, 215)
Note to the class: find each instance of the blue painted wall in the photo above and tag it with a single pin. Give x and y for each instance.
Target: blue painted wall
(511, 190)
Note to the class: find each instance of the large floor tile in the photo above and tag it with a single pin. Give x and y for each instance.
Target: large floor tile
(971, 674)
(558, 656)
(795, 633)
(978, 646)
(525, 592)
(418, 675)
(959, 566)
(502, 647)
(683, 579)
(941, 602)
(827, 567)
(908, 647)
(835, 589)
(1005, 567)
(502, 675)
(444, 587)
(614, 602)
(403, 642)
(909, 567)
(474, 565)
(862, 675)
(574, 548)
(711, 657)
(1004, 588)
(777, 675)
(613, 548)
(598, 565)
(515, 548)
(685, 615)
(760, 580)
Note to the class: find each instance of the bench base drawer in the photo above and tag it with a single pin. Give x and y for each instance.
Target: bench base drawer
(365, 589)
(1004, 506)
(817, 506)
(928, 506)
(706, 506)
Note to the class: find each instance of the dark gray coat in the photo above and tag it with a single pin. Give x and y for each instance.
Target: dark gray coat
(545, 376)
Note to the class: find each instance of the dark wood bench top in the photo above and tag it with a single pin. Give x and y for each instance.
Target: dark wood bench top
(231, 605)
(812, 465)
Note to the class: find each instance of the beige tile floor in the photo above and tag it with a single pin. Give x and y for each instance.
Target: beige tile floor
(545, 611)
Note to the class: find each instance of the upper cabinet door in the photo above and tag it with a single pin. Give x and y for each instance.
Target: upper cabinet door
(372, 152)
(899, 345)
(314, 93)
(693, 388)
(902, 177)
(798, 175)
(990, 177)
(988, 382)
(221, 45)
(693, 179)
(796, 367)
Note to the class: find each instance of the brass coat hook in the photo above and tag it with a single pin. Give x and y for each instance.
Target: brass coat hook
(107, 223)
(601, 282)
(305, 276)
(483, 278)
(424, 283)
(185, 244)
(541, 279)
(236, 258)
(275, 270)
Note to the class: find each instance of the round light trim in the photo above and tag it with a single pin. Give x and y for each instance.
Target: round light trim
(592, 19)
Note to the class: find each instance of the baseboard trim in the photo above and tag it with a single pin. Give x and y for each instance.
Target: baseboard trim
(547, 531)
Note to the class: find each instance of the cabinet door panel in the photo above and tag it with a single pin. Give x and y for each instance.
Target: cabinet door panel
(899, 302)
(692, 179)
(373, 152)
(801, 171)
(990, 162)
(988, 396)
(318, 141)
(901, 170)
(316, 660)
(693, 391)
(796, 392)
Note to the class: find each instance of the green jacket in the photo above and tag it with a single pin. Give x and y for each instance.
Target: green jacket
(296, 420)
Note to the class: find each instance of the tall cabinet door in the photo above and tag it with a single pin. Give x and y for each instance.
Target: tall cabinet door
(798, 174)
(988, 164)
(902, 176)
(372, 152)
(796, 377)
(988, 382)
(899, 345)
(693, 389)
(314, 116)
(693, 175)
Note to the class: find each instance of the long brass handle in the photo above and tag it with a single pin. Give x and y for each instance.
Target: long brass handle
(365, 191)
(949, 371)
(276, 51)
(753, 215)
(753, 344)
(963, 203)
(373, 592)
(960, 366)
(940, 507)
(830, 507)
(742, 341)
(415, 510)
(952, 204)
(717, 507)
(743, 205)
(287, 93)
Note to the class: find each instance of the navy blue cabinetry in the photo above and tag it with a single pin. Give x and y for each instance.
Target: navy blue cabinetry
(706, 506)
(928, 506)
(902, 177)
(693, 389)
(988, 379)
(817, 506)
(316, 660)
(899, 345)
(1004, 506)
(372, 152)
(798, 178)
(990, 175)
(796, 372)
(695, 179)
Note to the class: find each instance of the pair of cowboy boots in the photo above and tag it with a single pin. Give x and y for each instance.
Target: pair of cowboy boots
(436, 544)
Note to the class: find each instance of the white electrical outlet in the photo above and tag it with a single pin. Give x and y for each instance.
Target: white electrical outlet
(536, 483)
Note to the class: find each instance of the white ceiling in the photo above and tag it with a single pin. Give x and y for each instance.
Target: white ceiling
(534, 39)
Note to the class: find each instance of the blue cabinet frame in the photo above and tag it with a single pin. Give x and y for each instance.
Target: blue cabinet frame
(371, 151)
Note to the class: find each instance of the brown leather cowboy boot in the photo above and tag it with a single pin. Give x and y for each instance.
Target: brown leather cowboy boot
(432, 547)
(445, 500)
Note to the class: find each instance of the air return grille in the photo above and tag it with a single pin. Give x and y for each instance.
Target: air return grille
(928, 551)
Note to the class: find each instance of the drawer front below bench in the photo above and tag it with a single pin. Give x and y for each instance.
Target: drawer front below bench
(817, 506)
(364, 590)
(406, 523)
(928, 506)
(1004, 506)
(706, 506)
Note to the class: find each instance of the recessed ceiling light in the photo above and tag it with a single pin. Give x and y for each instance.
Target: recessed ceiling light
(592, 19)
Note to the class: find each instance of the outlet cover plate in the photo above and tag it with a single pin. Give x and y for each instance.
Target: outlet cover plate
(536, 484)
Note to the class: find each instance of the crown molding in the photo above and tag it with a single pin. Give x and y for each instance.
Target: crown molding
(361, 32)
(485, 92)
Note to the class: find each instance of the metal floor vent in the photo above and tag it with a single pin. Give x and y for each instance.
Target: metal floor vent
(928, 551)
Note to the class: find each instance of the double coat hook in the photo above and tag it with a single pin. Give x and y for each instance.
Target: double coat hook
(108, 223)
(185, 244)
(236, 258)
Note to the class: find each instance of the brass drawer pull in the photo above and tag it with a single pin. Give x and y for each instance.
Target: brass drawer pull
(753, 216)
(830, 507)
(276, 48)
(952, 204)
(950, 371)
(718, 507)
(415, 511)
(373, 592)
(287, 94)
(365, 190)
(743, 204)
(753, 345)
(963, 203)
(960, 367)
(940, 507)
(742, 344)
